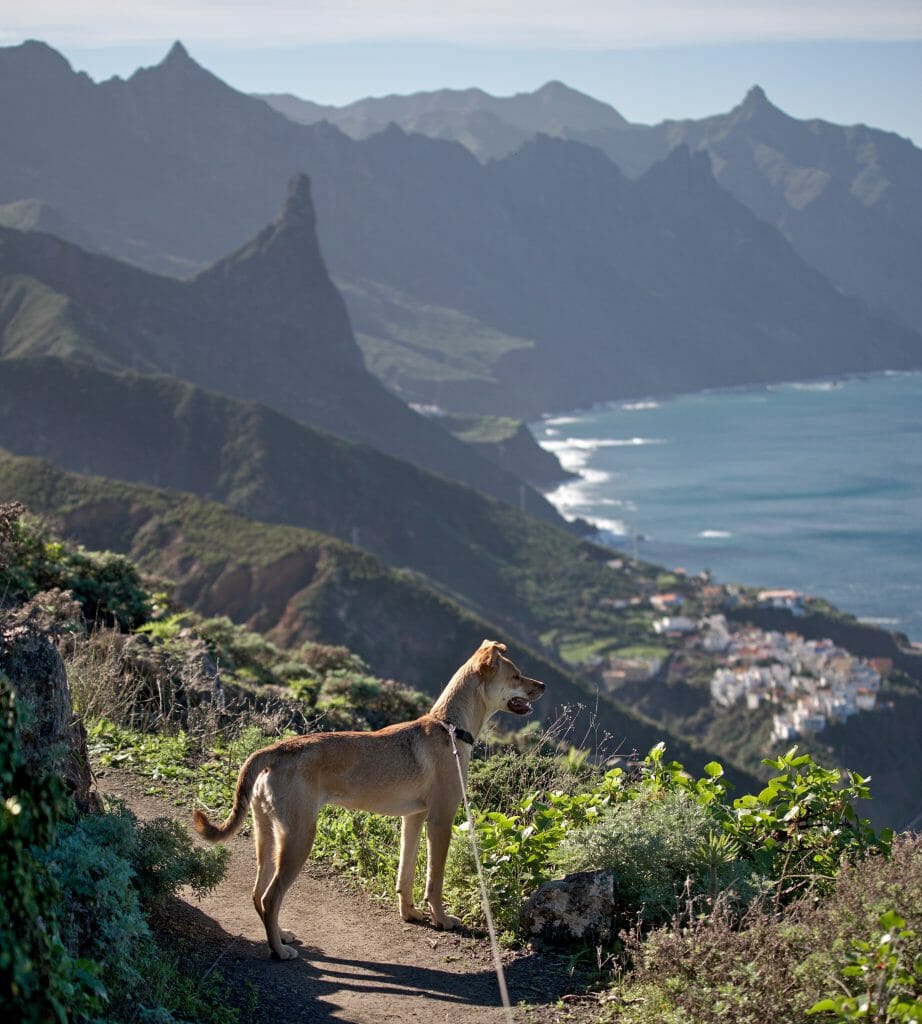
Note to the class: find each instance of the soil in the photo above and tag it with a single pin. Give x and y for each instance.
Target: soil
(359, 962)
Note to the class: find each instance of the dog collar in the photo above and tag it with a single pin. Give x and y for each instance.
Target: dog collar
(462, 734)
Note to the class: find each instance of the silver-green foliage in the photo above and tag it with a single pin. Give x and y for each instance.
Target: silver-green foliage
(660, 848)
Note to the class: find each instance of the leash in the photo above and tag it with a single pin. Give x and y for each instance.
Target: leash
(494, 945)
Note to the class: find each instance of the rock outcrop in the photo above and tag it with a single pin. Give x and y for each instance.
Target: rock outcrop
(52, 738)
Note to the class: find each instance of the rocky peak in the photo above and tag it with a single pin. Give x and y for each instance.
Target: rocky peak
(756, 99)
(177, 67)
(298, 207)
(177, 56)
(756, 107)
(280, 277)
(570, 108)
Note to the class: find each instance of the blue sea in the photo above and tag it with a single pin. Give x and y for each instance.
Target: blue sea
(813, 486)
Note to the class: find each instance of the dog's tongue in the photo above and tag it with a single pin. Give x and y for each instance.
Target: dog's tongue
(518, 705)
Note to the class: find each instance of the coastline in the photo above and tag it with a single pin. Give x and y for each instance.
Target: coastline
(608, 442)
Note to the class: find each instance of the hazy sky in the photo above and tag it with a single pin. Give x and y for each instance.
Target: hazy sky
(845, 61)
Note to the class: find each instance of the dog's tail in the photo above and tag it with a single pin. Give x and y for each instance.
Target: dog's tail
(253, 765)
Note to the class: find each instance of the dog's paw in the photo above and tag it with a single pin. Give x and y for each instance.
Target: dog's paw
(286, 953)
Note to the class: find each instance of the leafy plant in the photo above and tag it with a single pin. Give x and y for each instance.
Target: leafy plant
(801, 827)
(889, 987)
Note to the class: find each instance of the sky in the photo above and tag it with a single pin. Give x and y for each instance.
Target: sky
(845, 61)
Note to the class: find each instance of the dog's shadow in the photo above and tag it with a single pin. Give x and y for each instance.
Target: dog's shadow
(306, 989)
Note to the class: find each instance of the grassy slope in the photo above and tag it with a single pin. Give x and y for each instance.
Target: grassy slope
(297, 585)
(524, 575)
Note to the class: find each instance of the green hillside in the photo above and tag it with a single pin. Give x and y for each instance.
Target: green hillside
(525, 575)
(294, 585)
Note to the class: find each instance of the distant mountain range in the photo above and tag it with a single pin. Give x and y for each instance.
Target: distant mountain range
(541, 281)
(849, 199)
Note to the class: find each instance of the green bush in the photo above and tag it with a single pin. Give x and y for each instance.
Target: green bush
(775, 967)
(107, 586)
(802, 827)
(671, 839)
(75, 944)
(497, 783)
(350, 700)
(661, 850)
(110, 872)
(99, 910)
(887, 978)
(365, 845)
(39, 979)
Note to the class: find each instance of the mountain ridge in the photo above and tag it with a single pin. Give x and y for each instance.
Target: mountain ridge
(274, 291)
(269, 467)
(490, 251)
(775, 164)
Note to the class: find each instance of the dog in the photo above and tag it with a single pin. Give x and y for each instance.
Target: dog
(409, 769)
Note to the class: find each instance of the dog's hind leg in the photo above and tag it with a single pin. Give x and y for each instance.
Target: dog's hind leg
(439, 833)
(265, 842)
(410, 829)
(291, 850)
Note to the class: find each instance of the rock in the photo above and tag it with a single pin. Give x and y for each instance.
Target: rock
(576, 909)
(52, 739)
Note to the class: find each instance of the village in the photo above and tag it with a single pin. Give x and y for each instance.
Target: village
(809, 683)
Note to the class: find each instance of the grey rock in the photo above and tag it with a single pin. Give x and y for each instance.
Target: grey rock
(576, 909)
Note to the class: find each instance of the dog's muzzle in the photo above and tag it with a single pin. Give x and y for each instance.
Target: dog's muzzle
(522, 705)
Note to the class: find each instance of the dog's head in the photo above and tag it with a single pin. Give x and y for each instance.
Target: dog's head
(504, 686)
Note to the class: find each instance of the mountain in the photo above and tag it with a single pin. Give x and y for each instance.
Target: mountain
(264, 323)
(291, 584)
(33, 215)
(542, 281)
(490, 126)
(526, 576)
(848, 198)
(625, 288)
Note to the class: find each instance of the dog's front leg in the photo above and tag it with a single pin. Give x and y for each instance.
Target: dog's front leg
(439, 833)
(410, 830)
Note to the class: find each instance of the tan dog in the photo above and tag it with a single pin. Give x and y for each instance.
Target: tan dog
(407, 769)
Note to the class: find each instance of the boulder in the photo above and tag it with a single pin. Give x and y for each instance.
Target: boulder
(577, 909)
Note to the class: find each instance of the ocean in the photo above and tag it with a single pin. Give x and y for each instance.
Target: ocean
(811, 486)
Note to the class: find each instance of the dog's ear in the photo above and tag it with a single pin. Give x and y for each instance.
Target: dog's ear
(486, 656)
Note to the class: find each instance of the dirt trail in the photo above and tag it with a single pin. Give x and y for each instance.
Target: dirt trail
(358, 961)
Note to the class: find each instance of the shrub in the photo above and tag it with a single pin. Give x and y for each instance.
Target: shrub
(107, 586)
(39, 979)
(772, 967)
(100, 912)
(366, 845)
(108, 872)
(498, 783)
(358, 701)
(662, 849)
(802, 827)
(888, 979)
(324, 659)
